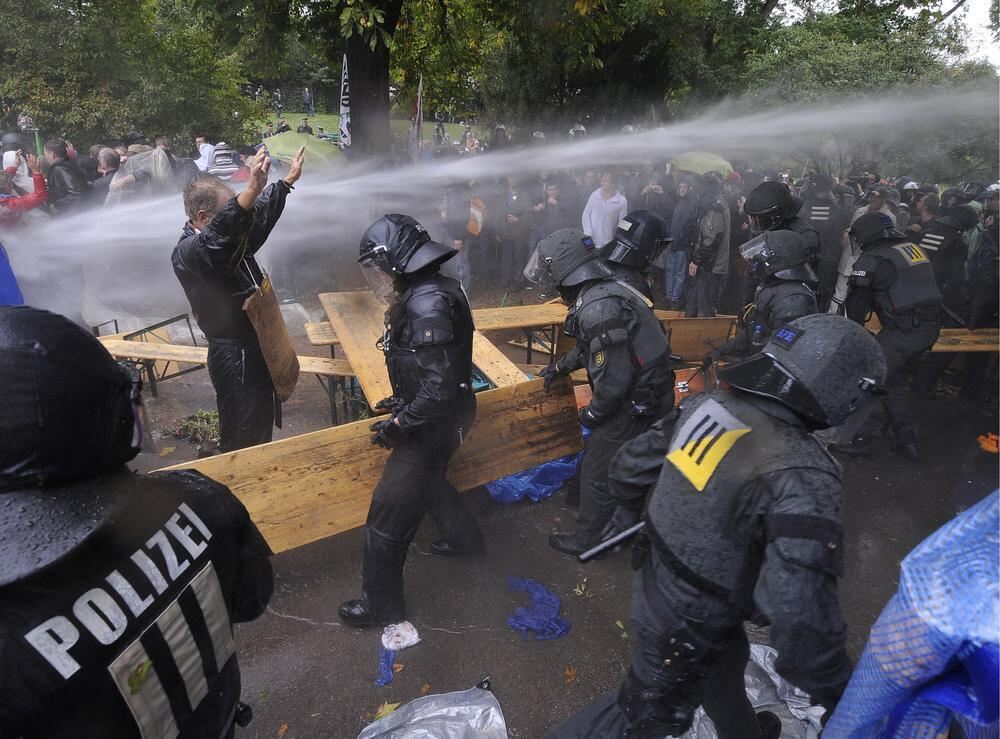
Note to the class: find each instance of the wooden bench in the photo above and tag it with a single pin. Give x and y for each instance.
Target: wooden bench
(321, 334)
(316, 485)
(148, 353)
(964, 340)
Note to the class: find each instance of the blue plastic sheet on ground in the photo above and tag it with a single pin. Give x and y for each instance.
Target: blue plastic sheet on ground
(385, 672)
(542, 616)
(537, 483)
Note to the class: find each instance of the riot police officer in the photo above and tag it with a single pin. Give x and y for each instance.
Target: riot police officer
(428, 352)
(119, 590)
(744, 518)
(786, 290)
(627, 357)
(830, 218)
(772, 207)
(639, 239)
(894, 278)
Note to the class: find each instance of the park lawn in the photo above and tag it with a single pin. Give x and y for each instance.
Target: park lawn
(331, 124)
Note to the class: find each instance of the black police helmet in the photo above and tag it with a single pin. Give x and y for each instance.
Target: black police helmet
(873, 227)
(69, 410)
(566, 258)
(823, 367)
(770, 203)
(639, 239)
(398, 245)
(780, 254)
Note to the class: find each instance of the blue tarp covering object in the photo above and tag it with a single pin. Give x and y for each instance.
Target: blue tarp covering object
(932, 655)
(537, 483)
(542, 616)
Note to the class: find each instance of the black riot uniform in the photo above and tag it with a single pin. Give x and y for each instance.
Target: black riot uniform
(943, 243)
(627, 357)
(825, 213)
(893, 278)
(428, 348)
(119, 590)
(786, 290)
(772, 207)
(744, 520)
(639, 238)
(218, 272)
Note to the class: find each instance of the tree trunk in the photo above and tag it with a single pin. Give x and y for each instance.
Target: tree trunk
(369, 75)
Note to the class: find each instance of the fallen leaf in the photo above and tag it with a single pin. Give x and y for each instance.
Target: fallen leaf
(425, 689)
(282, 730)
(581, 588)
(989, 443)
(166, 450)
(385, 709)
(570, 675)
(621, 626)
(397, 667)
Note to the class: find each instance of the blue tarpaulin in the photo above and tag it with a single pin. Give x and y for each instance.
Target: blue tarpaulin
(539, 482)
(541, 617)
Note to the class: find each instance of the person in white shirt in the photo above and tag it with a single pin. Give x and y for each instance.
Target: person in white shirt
(605, 208)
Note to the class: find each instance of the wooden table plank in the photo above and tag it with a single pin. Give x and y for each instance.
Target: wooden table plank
(308, 487)
(493, 363)
(521, 316)
(194, 355)
(964, 340)
(358, 320)
(693, 338)
(321, 334)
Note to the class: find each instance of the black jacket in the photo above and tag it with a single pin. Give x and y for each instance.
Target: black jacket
(67, 186)
(215, 266)
(131, 627)
(428, 352)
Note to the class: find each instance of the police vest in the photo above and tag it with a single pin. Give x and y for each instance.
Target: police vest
(914, 285)
(129, 634)
(432, 313)
(611, 312)
(721, 442)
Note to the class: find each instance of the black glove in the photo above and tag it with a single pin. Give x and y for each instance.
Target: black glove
(588, 419)
(387, 433)
(550, 373)
(622, 520)
(393, 404)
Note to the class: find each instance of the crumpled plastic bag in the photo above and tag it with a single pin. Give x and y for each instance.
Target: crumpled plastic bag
(537, 483)
(542, 616)
(466, 714)
(768, 691)
(400, 636)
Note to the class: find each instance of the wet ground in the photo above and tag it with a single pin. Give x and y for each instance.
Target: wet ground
(306, 675)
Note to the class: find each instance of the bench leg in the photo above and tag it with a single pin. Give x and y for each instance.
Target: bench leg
(150, 368)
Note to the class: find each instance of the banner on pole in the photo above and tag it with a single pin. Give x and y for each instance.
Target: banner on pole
(345, 107)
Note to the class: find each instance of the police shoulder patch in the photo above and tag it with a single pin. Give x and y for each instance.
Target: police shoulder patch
(911, 252)
(703, 441)
(786, 336)
(599, 359)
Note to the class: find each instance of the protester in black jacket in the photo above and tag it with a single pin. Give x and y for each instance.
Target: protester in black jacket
(215, 265)
(66, 182)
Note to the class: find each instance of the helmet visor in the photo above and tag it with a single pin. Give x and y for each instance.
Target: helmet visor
(380, 282)
(538, 270)
(764, 223)
(755, 249)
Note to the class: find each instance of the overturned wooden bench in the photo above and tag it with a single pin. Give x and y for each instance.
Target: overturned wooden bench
(308, 487)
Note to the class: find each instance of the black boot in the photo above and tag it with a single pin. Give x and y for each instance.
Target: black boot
(355, 613)
(445, 548)
(569, 544)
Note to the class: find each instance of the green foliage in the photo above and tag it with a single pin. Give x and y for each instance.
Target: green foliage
(97, 70)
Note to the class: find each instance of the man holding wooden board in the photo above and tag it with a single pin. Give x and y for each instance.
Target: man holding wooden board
(428, 352)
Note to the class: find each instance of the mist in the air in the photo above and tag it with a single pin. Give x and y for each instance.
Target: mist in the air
(115, 262)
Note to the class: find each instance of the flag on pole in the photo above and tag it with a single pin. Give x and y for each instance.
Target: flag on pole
(418, 117)
(345, 107)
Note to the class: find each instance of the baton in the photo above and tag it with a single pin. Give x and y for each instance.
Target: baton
(954, 316)
(612, 542)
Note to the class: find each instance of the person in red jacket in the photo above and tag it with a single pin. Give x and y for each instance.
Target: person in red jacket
(13, 206)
